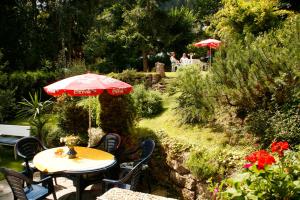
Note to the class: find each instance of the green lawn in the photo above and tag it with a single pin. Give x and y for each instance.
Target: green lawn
(207, 137)
(7, 159)
(168, 122)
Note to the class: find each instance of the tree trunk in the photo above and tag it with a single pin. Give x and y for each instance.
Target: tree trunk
(145, 62)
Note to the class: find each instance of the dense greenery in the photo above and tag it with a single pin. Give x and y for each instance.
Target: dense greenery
(254, 76)
(117, 114)
(36, 109)
(194, 104)
(277, 180)
(148, 103)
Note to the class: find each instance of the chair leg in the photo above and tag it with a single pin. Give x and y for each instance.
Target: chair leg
(54, 195)
(148, 181)
(55, 181)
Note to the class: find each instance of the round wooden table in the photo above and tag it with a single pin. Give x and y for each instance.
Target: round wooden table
(88, 160)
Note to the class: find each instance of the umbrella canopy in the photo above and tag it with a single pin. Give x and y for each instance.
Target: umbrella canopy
(88, 85)
(212, 43)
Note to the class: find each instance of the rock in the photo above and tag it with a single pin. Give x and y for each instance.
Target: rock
(202, 191)
(160, 69)
(190, 182)
(148, 81)
(177, 166)
(176, 163)
(187, 194)
(156, 78)
(185, 181)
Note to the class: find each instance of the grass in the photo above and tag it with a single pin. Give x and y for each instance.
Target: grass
(7, 153)
(20, 121)
(7, 160)
(194, 135)
(206, 137)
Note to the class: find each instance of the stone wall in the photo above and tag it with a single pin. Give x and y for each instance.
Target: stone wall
(169, 170)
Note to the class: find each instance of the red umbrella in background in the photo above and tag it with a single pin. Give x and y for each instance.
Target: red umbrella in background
(211, 43)
(88, 85)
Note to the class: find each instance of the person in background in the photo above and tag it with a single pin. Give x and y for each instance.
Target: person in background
(174, 62)
(184, 60)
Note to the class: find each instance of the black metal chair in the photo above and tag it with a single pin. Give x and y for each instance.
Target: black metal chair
(25, 189)
(129, 181)
(145, 149)
(27, 148)
(109, 143)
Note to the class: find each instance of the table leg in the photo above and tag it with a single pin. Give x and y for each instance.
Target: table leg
(78, 187)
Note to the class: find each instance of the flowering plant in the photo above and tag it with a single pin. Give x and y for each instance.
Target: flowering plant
(268, 175)
(70, 140)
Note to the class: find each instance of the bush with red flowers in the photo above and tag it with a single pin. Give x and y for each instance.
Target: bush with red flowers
(279, 147)
(267, 175)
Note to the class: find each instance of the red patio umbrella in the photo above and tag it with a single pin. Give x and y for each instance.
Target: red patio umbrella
(88, 85)
(211, 43)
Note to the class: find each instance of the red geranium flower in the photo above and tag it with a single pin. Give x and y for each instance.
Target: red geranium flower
(279, 147)
(248, 165)
(251, 158)
(262, 158)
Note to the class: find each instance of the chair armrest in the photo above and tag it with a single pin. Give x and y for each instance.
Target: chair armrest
(127, 165)
(46, 179)
(110, 181)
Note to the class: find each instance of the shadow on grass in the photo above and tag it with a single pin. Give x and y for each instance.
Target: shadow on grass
(157, 115)
(218, 128)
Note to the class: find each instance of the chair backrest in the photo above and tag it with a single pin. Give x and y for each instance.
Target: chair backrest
(147, 147)
(16, 182)
(110, 142)
(133, 176)
(28, 147)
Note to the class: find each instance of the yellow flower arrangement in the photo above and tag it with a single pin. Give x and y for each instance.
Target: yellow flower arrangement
(70, 140)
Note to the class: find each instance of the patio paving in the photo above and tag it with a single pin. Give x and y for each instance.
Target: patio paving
(66, 191)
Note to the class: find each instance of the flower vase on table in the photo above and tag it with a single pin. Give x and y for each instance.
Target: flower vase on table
(70, 141)
(71, 153)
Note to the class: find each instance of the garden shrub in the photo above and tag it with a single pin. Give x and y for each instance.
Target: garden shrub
(194, 102)
(285, 125)
(7, 104)
(53, 137)
(265, 176)
(214, 163)
(93, 104)
(258, 122)
(73, 120)
(264, 72)
(118, 113)
(238, 18)
(130, 76)
(148, 103)
(25, 82)
(279, 123)
(202, 164)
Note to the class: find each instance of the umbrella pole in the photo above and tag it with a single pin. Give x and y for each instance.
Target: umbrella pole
(90, 120)
(209, 56)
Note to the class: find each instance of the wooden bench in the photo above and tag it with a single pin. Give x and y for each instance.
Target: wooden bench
(9, 134)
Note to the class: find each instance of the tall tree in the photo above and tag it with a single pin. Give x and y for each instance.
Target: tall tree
(142, 27)
(34, 32)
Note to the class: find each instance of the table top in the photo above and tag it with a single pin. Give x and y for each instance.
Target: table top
(87, 160)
